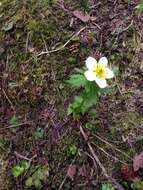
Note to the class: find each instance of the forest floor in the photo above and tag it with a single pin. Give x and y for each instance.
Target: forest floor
(34, 97)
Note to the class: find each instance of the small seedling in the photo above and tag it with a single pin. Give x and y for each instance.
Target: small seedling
(137, 184)
(72, 150)
(20, 168)
(38, 175)
(14, 120)
(38, 134)
(88, 126)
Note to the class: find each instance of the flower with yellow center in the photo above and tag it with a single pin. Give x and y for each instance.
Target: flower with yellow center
(98, 71)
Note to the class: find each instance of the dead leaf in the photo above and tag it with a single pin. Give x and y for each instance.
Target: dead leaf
(71, 171)
(80, 15)
(138, 162)
(127, 172)
(8, 26)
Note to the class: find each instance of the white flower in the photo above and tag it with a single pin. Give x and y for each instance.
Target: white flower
(98, 71)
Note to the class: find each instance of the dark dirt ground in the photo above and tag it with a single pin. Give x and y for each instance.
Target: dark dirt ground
(34, 93)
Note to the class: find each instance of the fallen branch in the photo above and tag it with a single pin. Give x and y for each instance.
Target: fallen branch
(64, 45)
(114, 182)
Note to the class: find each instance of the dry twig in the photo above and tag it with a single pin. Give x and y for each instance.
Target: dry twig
(109, 155)
(24, 157)
(109, 144)
(10, 102)
(64, 45)
(114, 182)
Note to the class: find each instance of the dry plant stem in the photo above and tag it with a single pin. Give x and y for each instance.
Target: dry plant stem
(24, 157)
(10, 102)
(13, 126)
(114, 182)
(108, 155)
(103, 140)
(64, 45)
(86, 153)
(27, 41)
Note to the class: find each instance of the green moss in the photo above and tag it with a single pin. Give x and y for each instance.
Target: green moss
(127, 126)
(129, 121)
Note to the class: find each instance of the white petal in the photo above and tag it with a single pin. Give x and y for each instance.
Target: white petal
(90, 75)
(90, 63)
(103, 60)
(101, 82)
(110, 74)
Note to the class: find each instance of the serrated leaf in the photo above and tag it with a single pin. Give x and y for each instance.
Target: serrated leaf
(77, 80)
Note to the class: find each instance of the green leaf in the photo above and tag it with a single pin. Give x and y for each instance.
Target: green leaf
(90, 99)
(83, 102)
(107, 186)
(17, 171)
(77, 80)
(75, 106)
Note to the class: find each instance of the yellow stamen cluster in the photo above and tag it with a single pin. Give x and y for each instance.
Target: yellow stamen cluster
(100, 71)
